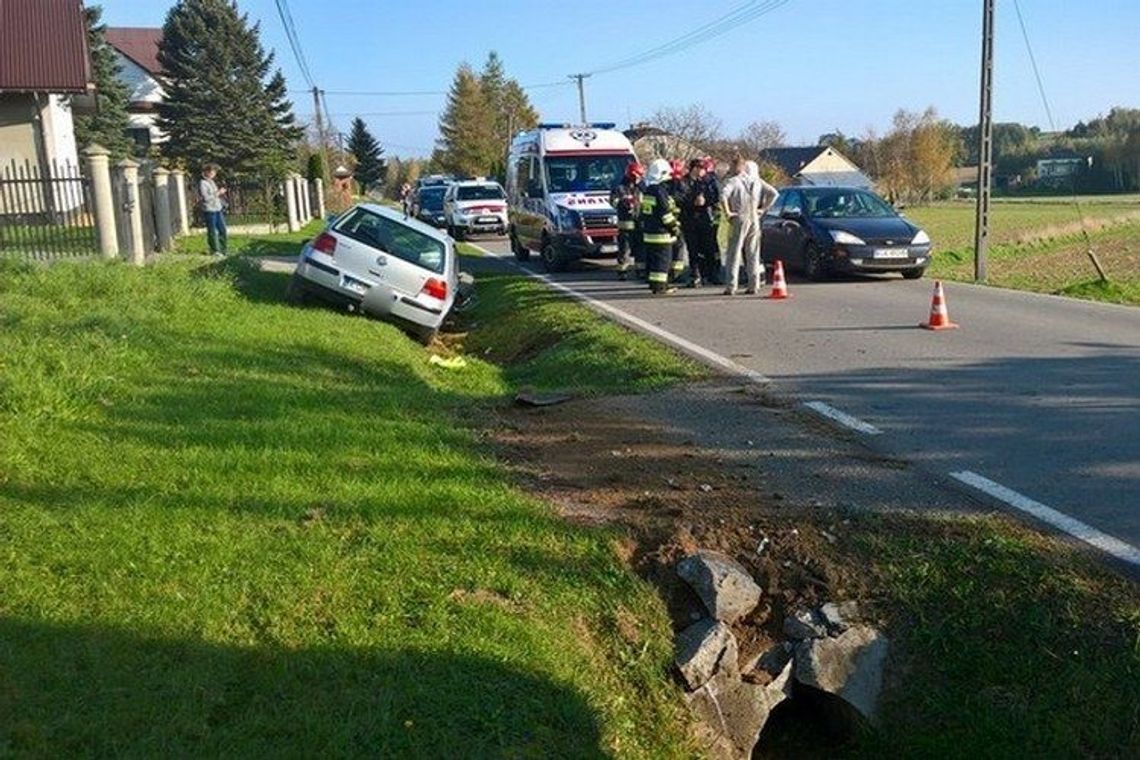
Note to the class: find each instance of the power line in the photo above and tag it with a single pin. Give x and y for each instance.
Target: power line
(734, 19)
(1053, 127)
(294, 41)
(416, 93)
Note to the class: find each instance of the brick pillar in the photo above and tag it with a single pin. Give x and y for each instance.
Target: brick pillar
(290, 187)
(179, 206)
(319, 193)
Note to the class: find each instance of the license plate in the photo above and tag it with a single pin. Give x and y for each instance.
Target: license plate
(609, 248)
(891, 253)
(488, 220)
(355, 286)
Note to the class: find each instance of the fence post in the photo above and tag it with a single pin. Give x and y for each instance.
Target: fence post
(102, 200)
(319, 192)
(299, 185)
(132, 207)
(181, 210)
(305, 199)
(291, 203)
(163, 230)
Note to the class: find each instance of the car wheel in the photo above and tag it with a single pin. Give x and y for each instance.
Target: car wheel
(814, 267)
(914, 274)
(551, 259)
(521, 253)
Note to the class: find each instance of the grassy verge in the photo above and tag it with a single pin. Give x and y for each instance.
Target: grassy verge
(281, 244)
(1008, 644)
(232, 527)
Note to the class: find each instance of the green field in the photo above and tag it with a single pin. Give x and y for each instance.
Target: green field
(232, 527)
(1039, 244)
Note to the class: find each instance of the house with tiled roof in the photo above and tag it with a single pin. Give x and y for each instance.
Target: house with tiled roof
(43, 63)
(139, 69)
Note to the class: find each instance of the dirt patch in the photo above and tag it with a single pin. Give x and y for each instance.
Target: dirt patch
(600, 464)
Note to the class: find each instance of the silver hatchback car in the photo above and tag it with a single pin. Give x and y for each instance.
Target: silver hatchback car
(376, 260)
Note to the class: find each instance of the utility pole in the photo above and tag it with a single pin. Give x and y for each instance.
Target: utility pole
(321, 136)
(985, 144)
(581, 95)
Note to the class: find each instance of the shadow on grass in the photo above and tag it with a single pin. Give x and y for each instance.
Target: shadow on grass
(69, 690)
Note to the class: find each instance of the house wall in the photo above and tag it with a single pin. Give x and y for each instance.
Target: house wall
(831, 168)
(143, 89)
(17, 129)
(58, 131)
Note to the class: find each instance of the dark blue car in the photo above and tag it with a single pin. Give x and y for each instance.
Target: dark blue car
(826, 230)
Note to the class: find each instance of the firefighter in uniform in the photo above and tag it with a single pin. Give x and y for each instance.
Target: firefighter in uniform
(626, 198)
(707, 228)
(677, 192)
(659, 225)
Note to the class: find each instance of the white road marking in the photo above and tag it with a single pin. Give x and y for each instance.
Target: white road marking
(843, 418)
(624, 317)
(1062, 522)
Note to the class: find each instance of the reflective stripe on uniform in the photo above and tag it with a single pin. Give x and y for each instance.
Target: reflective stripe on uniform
(658, 277)
(668, 218)
(626, 224)
(678, 266)
(659, 238)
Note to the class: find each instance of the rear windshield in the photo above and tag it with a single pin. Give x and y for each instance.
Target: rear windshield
(432, 197)
(479, 193)
(394, 238)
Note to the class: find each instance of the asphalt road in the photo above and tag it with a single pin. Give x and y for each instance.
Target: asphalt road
(1036, 393)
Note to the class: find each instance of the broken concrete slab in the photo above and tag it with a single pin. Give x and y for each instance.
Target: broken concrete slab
(839, 617)
(741, 709)
(705, 649)
(850, 666)
(723, 584)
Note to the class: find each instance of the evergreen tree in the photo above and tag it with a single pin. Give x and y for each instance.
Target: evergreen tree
(221, 104)
(509, 105)
(107, 123)
(466, 128)
(368, 154)
(315, 166)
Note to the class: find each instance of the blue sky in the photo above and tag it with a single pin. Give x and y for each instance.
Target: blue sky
(811, 65)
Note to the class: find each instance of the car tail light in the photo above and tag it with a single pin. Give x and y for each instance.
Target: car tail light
(435, 288)
(325, 243)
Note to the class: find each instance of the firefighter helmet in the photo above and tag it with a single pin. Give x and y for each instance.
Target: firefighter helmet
(634, 171)
(658, 171)
(677, 168)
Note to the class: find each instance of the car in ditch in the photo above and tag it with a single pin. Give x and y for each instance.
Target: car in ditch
(831, 230)
(475, 206)
(375, 260)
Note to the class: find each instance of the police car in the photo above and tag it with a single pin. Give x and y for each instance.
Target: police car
(475, 206)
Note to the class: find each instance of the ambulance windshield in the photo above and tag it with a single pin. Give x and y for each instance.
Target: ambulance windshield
(583, 174)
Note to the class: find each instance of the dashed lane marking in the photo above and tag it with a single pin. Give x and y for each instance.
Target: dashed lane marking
(843, 418)
(1109, 544)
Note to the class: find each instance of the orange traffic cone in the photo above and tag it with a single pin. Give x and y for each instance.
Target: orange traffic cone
(939, 316)
(779, 284)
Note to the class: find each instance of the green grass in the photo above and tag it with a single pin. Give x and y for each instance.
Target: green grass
(1006, 644)
(280, 244)
(231, 527)
(1039, 245)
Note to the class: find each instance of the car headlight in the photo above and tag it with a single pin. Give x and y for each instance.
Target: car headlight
(921, 238)
(846, 238)
(567, 219)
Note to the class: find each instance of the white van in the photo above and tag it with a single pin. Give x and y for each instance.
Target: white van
(559, 179)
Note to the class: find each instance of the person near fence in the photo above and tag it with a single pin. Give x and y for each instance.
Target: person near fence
(213, 209)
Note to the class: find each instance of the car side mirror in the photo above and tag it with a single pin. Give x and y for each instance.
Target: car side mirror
(792, 215)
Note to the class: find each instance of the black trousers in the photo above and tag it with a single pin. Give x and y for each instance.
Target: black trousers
(659, 259)
(704, 250)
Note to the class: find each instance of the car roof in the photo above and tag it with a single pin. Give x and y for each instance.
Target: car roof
(476, 183)
(398, 216)
(826, 187)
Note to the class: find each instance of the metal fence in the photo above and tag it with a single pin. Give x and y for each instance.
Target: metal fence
(248, 202)
(45, 214)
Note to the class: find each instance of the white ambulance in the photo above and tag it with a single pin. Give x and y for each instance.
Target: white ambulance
(559, 179)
